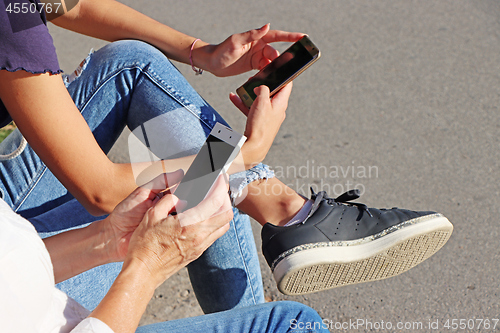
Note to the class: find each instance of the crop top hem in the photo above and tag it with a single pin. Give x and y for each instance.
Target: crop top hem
(59, 71)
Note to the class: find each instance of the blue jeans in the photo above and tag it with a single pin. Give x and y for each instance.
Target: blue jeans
(128, 83)
(274, 317)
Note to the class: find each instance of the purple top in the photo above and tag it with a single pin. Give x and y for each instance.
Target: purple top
(25, 42)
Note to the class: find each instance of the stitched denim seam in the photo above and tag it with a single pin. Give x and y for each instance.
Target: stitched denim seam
(32, 184)
(156, 79)
(245, 263)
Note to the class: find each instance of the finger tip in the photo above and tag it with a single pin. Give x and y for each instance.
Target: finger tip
(265, 88)
(261, 90)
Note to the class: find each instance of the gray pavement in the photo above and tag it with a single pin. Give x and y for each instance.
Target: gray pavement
(406, 94)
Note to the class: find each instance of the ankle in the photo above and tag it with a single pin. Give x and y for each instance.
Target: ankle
(290, 206)
(271, 201)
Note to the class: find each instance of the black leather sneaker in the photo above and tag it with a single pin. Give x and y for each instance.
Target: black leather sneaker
(342, 243)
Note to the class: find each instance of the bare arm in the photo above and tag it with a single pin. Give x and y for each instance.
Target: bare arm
(76, 251)
(46, 115)
(110, 20)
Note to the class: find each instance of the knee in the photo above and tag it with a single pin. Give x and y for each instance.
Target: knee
(130, 52)
(136, 48)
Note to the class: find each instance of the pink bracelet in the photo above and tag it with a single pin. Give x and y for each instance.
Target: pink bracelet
(198, 71)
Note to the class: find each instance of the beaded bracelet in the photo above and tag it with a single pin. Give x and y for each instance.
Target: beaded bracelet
(198, 71)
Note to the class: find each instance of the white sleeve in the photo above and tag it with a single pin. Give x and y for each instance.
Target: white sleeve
(92, 325)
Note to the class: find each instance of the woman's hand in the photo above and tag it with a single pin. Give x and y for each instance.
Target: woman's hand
(121, 223)
(162, 244)
(249, 50)
(264, 120)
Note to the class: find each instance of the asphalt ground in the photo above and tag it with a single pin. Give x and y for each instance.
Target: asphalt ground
(407, 91)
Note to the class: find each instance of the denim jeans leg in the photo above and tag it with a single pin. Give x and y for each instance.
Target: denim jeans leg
(128, 83)
(151, 88)
(271, 317)
(228, 275)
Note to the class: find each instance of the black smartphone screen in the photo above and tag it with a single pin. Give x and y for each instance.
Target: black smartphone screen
(204, 170)
(280, 69)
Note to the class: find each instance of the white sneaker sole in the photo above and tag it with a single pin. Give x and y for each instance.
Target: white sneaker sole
(329, 265)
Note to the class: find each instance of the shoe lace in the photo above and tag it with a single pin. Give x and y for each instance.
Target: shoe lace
(343, 199)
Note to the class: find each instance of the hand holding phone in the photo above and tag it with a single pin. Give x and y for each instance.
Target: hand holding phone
(264, 120)
(290, 64)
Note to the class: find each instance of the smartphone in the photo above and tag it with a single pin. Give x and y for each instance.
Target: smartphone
(215, 157)
(296, 59)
